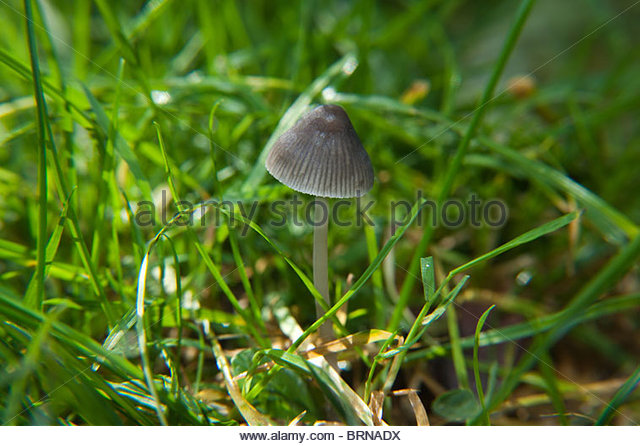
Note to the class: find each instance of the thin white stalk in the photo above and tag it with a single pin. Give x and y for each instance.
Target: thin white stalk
(321, 263)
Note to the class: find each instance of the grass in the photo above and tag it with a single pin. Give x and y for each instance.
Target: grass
(108, 108)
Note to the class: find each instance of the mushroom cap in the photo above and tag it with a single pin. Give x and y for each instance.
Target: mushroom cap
(321, 155)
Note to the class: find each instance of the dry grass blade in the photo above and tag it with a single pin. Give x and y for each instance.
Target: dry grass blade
(348, 343)
(296, 420)
(249, 413)
(376, 403)
(416, 404)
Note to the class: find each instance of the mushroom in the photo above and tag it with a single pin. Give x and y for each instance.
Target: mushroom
(321, 155)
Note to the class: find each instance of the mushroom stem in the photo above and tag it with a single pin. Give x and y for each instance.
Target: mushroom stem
(321, 262)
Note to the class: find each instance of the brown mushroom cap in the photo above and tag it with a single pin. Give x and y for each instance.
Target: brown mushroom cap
(321, 155)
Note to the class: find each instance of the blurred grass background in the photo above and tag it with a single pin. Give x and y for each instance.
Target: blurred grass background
(106, 104)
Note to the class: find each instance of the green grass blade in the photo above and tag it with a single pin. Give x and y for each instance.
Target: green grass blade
(551, 387)
(457, 356)
(440, 310)
(613, 224)
(175, 377)
(41, 119)
(109, 177)
(52, 248)
(376, 279)
(142, 337)
(376, 360)
(476, 364)
(429, 319)
(118, 332)
(619, 398)
(428, 277)
(527, 237)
